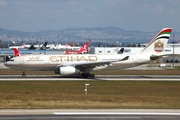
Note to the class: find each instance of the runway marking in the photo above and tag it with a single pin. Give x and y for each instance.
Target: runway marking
(114, 113)
(98, 77)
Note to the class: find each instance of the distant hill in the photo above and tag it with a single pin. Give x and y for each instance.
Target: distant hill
(108, 34)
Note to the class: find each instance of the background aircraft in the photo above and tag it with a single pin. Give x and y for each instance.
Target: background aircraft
(83, 49)
(38, 47)
(31, 47)
(19, 47)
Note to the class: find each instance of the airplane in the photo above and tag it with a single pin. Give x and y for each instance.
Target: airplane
(64, 64)
(30, 47)
(19, 47)
(35, 47)
(82, 64)
(62, 47)
(84, 49)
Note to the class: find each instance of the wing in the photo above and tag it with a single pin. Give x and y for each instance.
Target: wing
(91, 65)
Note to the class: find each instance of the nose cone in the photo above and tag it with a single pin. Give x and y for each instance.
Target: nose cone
(9, 63)
(6, 64)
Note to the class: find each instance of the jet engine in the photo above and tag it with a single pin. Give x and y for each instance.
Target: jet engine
(68, 70)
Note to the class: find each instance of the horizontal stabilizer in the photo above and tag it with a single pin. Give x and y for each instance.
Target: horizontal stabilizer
(126, 58)
(155, 57)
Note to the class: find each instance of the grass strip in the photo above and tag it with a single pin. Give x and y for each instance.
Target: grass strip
(101, 95)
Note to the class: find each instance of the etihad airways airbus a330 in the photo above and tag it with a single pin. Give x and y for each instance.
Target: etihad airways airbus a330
(84, 63)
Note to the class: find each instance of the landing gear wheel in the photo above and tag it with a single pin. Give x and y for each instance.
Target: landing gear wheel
(91, 76)
(87, 75)
(23, 74)
(84, 75)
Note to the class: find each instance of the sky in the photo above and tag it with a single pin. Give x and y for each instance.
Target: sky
(38, 15)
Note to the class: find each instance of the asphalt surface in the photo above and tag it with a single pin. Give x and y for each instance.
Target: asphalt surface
(98, 77)
(91, 114)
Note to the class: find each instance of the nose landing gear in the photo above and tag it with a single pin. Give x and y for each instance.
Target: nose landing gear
(23, 74)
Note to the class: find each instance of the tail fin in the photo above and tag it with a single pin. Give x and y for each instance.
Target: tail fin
(120, 51)
(84, 48)
(16, 52)
(31, 47)
(159, 42)
(44, 46)
(24, 45)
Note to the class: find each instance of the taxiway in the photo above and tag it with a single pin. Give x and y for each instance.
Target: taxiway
(91, 114)
(98, 77)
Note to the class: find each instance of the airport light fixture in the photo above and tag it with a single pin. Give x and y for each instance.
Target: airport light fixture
(86, 88)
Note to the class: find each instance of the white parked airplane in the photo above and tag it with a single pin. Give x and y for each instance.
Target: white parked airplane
(31, 47)
(62, 47)
(83, 64)
(18, 47)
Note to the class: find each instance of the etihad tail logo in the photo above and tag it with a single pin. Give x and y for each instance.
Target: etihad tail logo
(159, 46)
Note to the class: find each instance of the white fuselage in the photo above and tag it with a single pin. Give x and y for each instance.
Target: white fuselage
(52, 62)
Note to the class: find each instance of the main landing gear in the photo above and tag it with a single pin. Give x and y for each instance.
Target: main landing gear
(87, 75)
(23, 74)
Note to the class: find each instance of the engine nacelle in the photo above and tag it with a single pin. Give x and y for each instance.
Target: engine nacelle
(68, 70)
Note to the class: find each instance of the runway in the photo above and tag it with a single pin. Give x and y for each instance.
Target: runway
(90, 114)
(98, 77)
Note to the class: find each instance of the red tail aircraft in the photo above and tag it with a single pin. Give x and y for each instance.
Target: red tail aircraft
(84, 49)
(16, 52)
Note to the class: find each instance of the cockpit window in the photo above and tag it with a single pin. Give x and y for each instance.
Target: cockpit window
(11, 60)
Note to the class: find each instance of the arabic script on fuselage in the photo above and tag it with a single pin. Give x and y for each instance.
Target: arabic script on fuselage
(34, 58)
